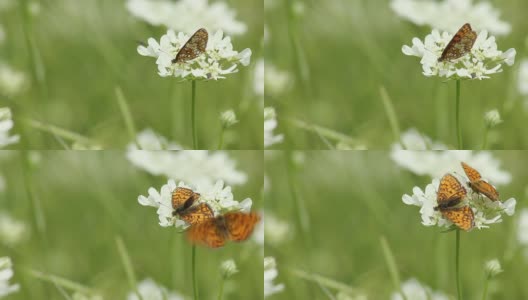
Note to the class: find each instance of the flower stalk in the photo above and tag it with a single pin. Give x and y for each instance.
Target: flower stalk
(193, 115)
(457, 111)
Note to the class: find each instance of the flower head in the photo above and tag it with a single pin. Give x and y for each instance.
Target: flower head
(450, 14)
(523, 79)
(218, 197)
(275, 80)
(270, 273)
(492, 118)
(12, 82)
(218, 60)
(228, 268)
(275, 230)
(150, 290)
(6, 272)
(12, 231)
(270, 123)
(483, 60)
(522, 229)
(414, 140)
(5, 126)
(414, 290)
(187, 15)
(493, 268)
(228, 118)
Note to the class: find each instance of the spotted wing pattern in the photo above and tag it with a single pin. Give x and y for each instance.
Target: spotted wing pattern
(478, 185)
(462, 216)
(460, 44)
(197, 214)
(193, 47)
(450, 192)
(214, 233)
(183, 198)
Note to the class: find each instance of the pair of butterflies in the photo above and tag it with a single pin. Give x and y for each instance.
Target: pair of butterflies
(451, 193)
(206, 229)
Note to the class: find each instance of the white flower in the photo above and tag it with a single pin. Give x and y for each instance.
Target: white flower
(276, 231)
(12, 231)
(270, 273)
(275, 80)
(6, 272)
(522, 228)
(150, 290)
(150, 140)
(414, 140)
(228, 118)
(437, 163)
(228, 268)
(523, 79)
(218, 197)
(187, 15)
(270, 123)
(492, 118)
(414, 290)
(486, 212)
(451, 14)
(12, 82)
(5, 126)
(483, 60)
(258, 84)
(218, 60)
(493, 267)
(201, 167)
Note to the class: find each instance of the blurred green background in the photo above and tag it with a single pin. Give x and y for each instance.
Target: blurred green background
(88, 49)
(84, 200)
(352, 199)
(350, 49)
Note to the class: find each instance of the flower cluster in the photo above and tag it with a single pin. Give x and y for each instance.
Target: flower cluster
(414, 140)
(486, 212)
(414, 290)
(186, 15)
(270, 123)
(12, 82)
(5, 126)
(218, 60)
(483, 60)
(219, 198)
(450, 14)
(150, 290)
(270, 273)
(12, 231)
(6, 272)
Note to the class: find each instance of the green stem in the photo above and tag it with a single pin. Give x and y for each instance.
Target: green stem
(391, 265)
(485, 293)
(127, 116)
(457, 264)
(193, 262)
(221, 292)
(127, 266)
(221, 141)
(193, 114)
(458, 129)
(485, 141)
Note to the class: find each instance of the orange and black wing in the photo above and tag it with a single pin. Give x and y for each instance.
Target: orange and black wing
(183, 198)
(240, 225)
(450, 191)
(197, 214)
(207, 233)
(471, 173)
(462, 217)
(193, 47)
(478, 184)
(460, 44)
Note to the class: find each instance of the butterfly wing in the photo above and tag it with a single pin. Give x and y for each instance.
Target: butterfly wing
(193, 47)
(208, 233)
(180, 197)
(471, 173)
(462, 217)
(240, 225)
(460, 44)
(197, 214)
(450, 191)
(485, 188)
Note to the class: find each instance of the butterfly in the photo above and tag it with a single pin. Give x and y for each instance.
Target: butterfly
(182, 202)
(460, 44)
(449, 196)
(215, 232)
(193, 47)
(478, 185)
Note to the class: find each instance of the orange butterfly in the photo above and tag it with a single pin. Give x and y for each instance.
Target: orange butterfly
(478, 185)
(449, 196)
(215, 232)
(182, 202)
(193, 47)
(460, 44)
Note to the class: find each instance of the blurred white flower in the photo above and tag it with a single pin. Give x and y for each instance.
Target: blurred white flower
(219, 58)
(6, 4)
(483, 60)
(187, 15)
(150, 140)
(493, 268)
(5, 126)
(270, 123)
(12, 82)
(412, 139)
(258, 84)
(492, 118)
(275, 80)
(486, 212)
(270, 273)
(523, 79)
(276, 231)
(436, 163)
(150, 290)
(522, 228)
(228, 268)
(12, 231)
(201, 167)
(414, 290)
(449, 15)
(6, 272)
(218, 197)
(228, 118)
